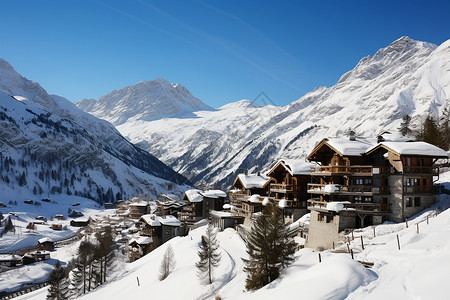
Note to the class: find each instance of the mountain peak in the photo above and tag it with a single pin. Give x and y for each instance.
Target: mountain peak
(146, 100)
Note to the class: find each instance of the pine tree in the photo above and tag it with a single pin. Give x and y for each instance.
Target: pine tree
(209, 255)
(105, 252)
(270, 247)
(405, 126)
(167, 263)
(58, 283)
(444, 129)
(431, 131)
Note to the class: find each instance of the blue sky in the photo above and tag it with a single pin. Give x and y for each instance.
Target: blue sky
(222, 51)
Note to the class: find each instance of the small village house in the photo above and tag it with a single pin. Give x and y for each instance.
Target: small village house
(46, 244)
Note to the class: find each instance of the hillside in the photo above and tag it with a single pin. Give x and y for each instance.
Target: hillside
(50, 147)
(416, 271)
(406, 77)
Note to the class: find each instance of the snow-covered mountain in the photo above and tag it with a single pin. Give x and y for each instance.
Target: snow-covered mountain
(50, 147)
(407, 77)
(146, 100)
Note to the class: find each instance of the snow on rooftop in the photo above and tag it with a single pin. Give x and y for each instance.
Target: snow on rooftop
(169, 221)
(151, 220)
(352, 148)
(214, 194)
(221, 214)
(44, 240)
(298, 166)
(253, 180)
(142, 240)
(141, 203)
(194, 196)
(414, 148)
(283, 203)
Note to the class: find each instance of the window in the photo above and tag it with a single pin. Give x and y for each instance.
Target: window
(358, 181)
(329, 219)
(416, 201)
(408, 202)
(357, 198)
(412, 181)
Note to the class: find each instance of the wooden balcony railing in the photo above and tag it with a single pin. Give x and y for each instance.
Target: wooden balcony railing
(358, 207)
(417, 189)
(284, 188)
(420, 170)
(314, 188)
(362, 170)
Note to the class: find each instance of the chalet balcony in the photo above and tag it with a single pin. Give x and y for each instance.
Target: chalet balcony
(348, 170)
(417, 189)
(284, 188)
(367, 207)
(420, 170)
(328, 189)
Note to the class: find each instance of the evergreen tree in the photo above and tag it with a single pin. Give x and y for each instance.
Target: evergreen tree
(444, 128)
(59, 287)
(431, 131)
(167, 263)
(405, 126)
(208, 254)
(105, 252)
(270, 247)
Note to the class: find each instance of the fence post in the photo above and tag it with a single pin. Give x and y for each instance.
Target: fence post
(427, 220)
(320, 258)
(417, 227)
(406, 220)
(374, 235)
(353, 237)
(348, 247)
(138, 281)
(398, 242)
(333, 245)
(362, 243)
(351, 251)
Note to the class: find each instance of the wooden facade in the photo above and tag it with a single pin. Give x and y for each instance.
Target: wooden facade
(374, 181)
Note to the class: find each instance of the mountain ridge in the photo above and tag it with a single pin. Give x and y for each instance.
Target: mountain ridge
(406, 77)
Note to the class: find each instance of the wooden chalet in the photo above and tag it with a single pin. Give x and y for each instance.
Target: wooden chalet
(247, 193)
(288, 186)
(10, 260)
(46, 244)
(138, 208)
(361, 182)
(200, 204)
(223, 219)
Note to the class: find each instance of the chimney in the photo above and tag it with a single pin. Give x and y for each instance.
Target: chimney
(352, 135)
(246, 172)
(380, 139)
(259, 173)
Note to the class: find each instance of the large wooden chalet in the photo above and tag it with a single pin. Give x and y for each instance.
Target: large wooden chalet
(247, 193)
(288, 186)
(361, 182)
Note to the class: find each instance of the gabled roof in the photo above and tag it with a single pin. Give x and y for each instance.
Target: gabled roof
(45, 240)
(193, 195)
(293, 166)
(252, 180)
(411, 148)
(154, 220)
(345, 146)
(213, 194)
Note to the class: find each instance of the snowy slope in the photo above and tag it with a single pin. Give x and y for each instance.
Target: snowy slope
(407, 77)
(417, 271)
(146, 100)
(55, 148)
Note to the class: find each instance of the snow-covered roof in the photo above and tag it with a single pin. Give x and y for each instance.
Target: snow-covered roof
(265, 201)
(294, 166)
(193, 195)
(169, 220)
(154, 220)
(351, 148)
(45, 240)
(151, 219)
(412, 148)
(298, 166)
(227, 206)
(213, 194)
(142, 240)
(253, 180)
(221, 214)
(337, 205)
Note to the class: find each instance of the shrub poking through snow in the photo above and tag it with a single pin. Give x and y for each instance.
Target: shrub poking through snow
(209, 256)
(270, 247)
